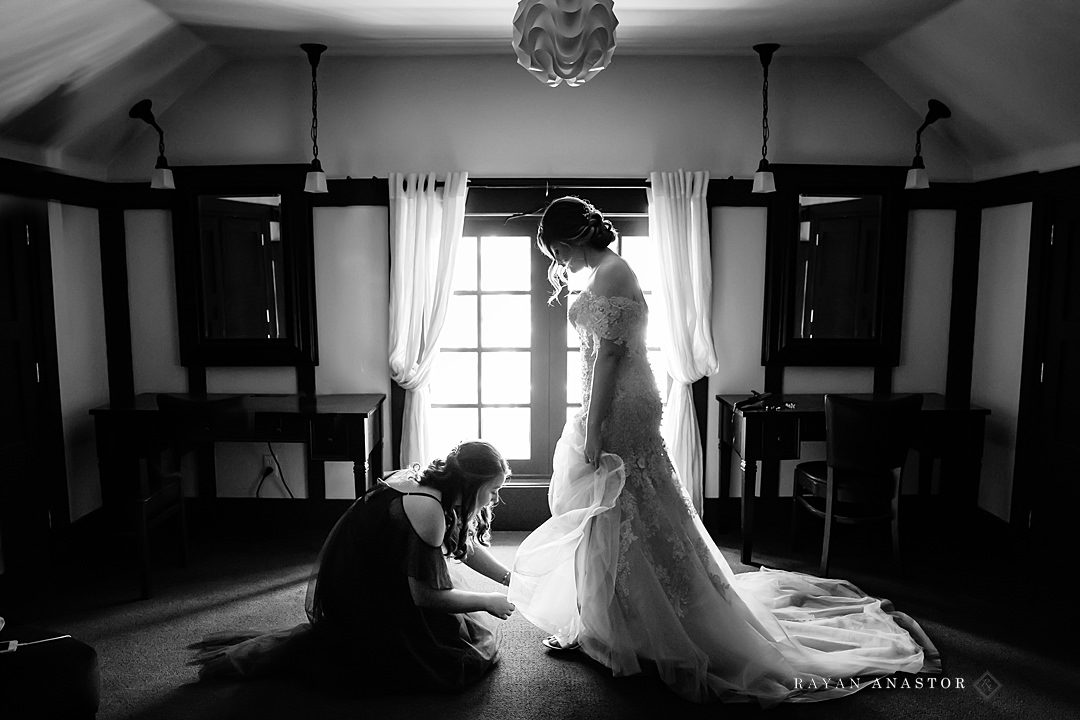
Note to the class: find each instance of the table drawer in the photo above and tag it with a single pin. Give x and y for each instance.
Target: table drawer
(780, 436)
(281, 427)
(766, 435)
(330, 437)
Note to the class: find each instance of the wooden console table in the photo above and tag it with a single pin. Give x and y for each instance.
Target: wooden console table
(331, 427)
(773, 432)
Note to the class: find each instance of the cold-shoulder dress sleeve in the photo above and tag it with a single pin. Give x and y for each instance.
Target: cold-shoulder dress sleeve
(421, 561)
(611, 318)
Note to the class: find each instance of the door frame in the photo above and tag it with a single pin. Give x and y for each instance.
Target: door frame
(1029, 479)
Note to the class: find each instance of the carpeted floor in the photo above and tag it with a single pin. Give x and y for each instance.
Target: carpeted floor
(982, 620)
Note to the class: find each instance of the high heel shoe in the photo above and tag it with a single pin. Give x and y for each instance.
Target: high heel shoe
(552, 643)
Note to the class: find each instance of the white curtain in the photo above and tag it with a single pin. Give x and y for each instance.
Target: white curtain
(425, 228)
(679, 228)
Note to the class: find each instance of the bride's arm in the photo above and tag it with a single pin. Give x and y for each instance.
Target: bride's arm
(613, 279)
(603, 388)
(483, 562)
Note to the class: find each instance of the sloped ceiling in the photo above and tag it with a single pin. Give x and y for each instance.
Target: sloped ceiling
(71, 69)
(1010, 72)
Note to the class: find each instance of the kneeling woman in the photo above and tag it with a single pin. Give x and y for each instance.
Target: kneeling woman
(383, 611)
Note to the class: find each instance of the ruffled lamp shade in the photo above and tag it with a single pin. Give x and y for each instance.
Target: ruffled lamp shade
(564, 40)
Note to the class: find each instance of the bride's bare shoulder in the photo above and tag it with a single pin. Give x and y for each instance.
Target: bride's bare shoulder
(614, 278)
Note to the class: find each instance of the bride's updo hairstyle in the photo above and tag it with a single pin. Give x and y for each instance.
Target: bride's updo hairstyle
(577, 223)
(459, 477)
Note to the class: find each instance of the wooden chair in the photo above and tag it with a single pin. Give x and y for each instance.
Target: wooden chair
(867, 443)
(183, 423)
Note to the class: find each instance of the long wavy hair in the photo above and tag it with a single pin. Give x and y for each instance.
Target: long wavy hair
(459, 478)
(577, 223)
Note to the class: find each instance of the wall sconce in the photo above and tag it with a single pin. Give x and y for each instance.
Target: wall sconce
(763, 178)
(315, 181)
(162, 177)
(557, 45)
(917, 178)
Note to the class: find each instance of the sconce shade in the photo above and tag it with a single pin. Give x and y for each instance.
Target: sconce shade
(917, 179)
(162, 179)
(564, 40)
(764, 182)
(315, 181)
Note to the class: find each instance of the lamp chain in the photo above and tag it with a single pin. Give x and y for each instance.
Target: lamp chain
(314, 115)
(765, 113)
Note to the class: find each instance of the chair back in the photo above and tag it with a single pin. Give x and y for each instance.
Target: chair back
(870, 434)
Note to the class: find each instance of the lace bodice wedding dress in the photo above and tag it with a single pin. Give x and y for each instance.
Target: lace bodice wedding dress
(626, 568)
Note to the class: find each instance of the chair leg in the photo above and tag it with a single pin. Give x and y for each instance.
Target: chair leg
(830, 498)
(896, 531)
(142, 532)
(183, 531)
(795, 525)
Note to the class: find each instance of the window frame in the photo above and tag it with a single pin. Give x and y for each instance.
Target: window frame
(503, 209)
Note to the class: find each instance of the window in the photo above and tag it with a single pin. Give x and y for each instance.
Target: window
(508, 369)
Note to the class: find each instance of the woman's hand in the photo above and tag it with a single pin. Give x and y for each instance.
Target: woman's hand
(499, 606)
(592, 449)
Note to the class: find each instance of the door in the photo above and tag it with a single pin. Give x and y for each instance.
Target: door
(24, 490)
(1055, 506)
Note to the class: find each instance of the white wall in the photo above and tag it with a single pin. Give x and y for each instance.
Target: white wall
(924, 352)
(489, 117)
(998, 350)
(155, 343)
(80, 344)
(738, 257)
(352, 261)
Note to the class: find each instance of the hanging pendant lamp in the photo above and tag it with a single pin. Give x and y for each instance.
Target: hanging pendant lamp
(763, 178)
(315, 182)
(564, 40)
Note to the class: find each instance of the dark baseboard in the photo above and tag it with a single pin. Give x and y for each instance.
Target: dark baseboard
(524, 507)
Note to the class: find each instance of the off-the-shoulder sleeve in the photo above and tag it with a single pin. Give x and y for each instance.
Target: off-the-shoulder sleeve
(610, 318)
(425, 563)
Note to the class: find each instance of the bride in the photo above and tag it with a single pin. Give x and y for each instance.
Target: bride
(625, 570)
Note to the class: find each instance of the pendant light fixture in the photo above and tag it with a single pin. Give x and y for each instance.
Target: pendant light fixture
(763, 178)
(559, 41)
(917, 178)
(162, 177)
(316, 178)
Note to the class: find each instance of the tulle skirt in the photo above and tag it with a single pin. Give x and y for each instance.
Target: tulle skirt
(625, 568)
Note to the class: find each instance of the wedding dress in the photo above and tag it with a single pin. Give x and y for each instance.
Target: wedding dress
(625, 567)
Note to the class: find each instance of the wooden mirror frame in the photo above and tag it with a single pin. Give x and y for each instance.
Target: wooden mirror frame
(300, 346)
(779, 345)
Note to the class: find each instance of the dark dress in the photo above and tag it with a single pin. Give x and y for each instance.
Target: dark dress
(364, 630)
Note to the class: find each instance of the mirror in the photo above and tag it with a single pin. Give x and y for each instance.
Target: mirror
(834, 266)
(244, 266)
(242, 261)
